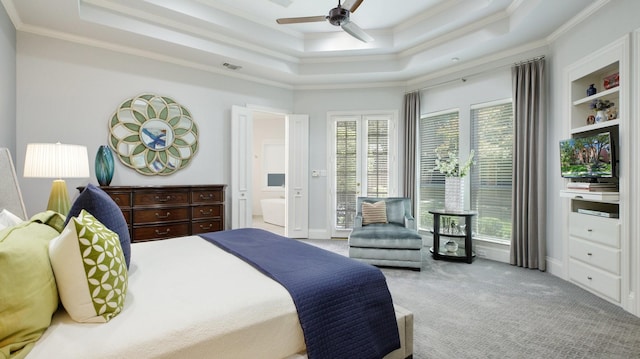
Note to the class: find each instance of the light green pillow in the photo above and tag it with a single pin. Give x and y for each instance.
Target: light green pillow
(28, 294)
(90, 270)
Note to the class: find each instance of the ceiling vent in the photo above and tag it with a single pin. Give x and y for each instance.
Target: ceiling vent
(231, 66)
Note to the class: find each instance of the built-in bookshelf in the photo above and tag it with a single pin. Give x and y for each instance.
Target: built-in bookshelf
(597, 245)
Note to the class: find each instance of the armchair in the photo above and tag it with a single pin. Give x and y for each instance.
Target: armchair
(391, 241)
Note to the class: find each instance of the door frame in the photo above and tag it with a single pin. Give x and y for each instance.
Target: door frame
(393, 160)
(297, 150)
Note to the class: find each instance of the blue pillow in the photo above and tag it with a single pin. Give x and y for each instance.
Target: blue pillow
(106, 211)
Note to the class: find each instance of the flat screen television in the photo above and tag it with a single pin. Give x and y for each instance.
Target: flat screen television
(589, 157)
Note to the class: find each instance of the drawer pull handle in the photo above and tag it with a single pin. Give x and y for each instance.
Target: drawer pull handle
(163, 233)
(589, 253)
(589, 277)
(206, 227)
(163, 216)
(202, 211)
(589, 230)
(117, 200)
(209, 196)
(160, 199)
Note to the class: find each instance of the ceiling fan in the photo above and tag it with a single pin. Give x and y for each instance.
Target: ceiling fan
(338, 16)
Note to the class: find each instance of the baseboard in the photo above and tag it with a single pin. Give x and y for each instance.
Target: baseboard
(319, 234)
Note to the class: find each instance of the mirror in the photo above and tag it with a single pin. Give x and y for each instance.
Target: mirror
(153, 134)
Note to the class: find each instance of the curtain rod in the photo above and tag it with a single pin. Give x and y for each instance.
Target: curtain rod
(464, 78)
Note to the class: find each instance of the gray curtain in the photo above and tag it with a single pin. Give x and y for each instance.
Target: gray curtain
(411, 116)
(529, 175)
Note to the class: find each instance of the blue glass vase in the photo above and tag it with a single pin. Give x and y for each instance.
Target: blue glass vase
(104, 165)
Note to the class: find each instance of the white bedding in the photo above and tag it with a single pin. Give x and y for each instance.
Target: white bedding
(186, 299)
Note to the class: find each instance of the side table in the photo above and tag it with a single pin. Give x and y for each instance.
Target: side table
(451, 228)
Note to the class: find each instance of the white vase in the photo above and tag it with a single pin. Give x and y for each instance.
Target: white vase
(600, 116)
(454, 194)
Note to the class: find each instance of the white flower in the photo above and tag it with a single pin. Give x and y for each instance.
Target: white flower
(450, 166)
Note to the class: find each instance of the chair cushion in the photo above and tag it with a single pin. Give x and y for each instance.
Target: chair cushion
(374, 213)
(385, 236)
(396, 210)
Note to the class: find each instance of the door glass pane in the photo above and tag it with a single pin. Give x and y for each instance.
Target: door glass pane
(346, 173)
(377, 158)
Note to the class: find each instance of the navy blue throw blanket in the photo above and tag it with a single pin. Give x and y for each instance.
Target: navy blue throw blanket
(344, 306)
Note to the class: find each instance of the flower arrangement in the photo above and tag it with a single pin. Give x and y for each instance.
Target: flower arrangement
(600, 105)
(450, 166)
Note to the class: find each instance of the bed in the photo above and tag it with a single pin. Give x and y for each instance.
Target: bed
(187, 297)
(231, 311)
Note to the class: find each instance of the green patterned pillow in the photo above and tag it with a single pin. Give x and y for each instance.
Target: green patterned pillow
(90, 270)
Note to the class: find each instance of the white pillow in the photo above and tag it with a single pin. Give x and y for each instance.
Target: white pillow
(8, 219)
(90, 270)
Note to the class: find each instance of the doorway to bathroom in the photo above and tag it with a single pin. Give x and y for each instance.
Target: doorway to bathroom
(268, 167)
(266, 152)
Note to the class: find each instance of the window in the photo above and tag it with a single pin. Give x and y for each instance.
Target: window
(434, 130)
(491, 176)
(491, 137)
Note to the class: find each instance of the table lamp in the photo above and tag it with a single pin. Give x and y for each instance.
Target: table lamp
(57, 160)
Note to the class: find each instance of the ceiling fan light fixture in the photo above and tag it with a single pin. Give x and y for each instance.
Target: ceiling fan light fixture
(338, 16)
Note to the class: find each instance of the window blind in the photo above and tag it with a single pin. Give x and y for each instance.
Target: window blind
(346, 172)
(491, 176)
(434, 130)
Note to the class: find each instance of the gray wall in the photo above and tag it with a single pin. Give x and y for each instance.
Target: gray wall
(72, 90)
(7, 83)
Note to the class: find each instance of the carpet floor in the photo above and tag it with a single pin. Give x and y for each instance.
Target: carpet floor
(489, 309)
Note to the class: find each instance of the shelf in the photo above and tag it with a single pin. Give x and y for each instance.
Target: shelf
(602, 94)
(458, 254)
(596, 126)
(608, 197)
(452, 235)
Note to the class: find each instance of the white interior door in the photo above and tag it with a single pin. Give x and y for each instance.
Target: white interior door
(241, 167)
(297, 176)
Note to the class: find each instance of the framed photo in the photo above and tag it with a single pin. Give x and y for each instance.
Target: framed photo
(611, 81)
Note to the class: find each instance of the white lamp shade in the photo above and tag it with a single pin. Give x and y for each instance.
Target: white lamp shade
(56, 160)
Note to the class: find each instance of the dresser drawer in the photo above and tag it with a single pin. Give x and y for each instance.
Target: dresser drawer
(212, 225)
(122, 199)
(155, 215)
(602, 230)
(127, 215)
(595, 255)
(598, 280)
(207, 196)
(160, 198)
(212, 211)
(160, 231)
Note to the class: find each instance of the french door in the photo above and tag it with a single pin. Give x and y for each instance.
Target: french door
(363, 163)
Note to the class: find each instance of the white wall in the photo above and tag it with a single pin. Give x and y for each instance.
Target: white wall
(611, 22)
(67, 92)
(316, 103)
(7, 83)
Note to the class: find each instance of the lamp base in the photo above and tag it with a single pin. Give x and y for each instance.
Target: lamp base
(59, 198)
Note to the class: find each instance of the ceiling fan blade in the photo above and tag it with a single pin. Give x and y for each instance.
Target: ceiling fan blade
(298, 20)
(352, 5)
(354, 30)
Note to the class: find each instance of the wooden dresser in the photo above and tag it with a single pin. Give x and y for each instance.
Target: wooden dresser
(161, 212)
